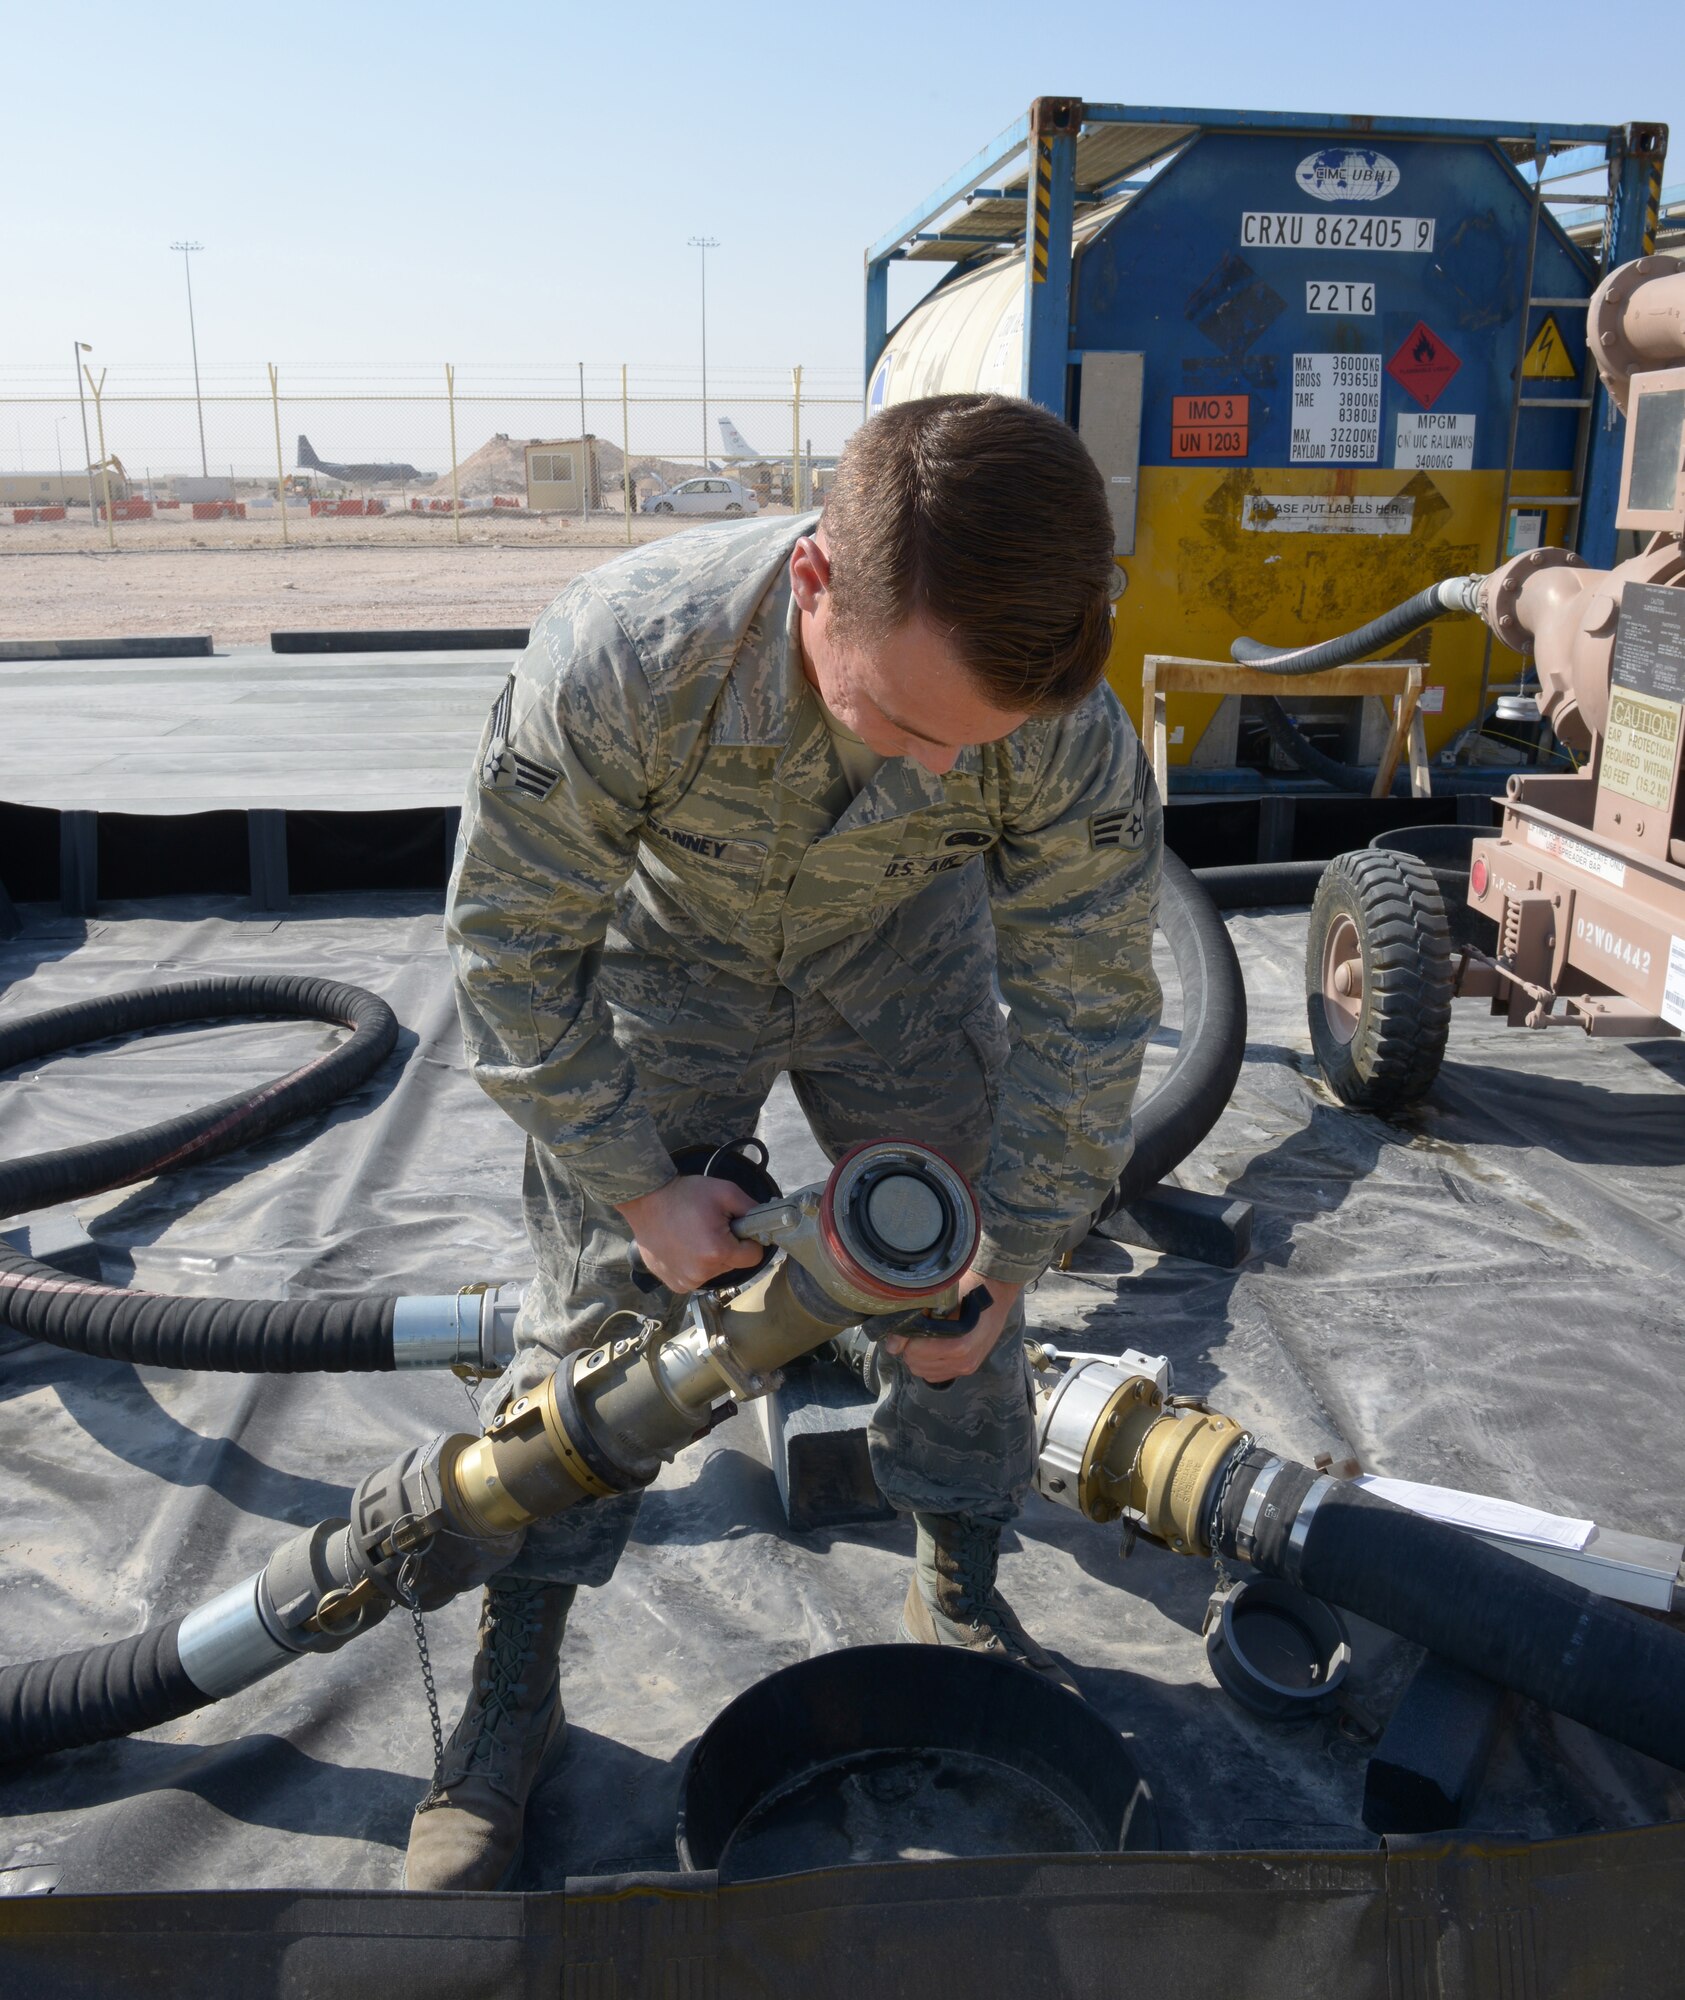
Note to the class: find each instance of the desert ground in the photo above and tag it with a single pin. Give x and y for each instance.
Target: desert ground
(237, 581)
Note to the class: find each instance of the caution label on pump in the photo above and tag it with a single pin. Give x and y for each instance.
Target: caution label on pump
(1547, 358)
(1640, 747)
(1210, 426)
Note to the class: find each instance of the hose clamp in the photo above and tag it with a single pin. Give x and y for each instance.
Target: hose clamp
(1318, 1491)
(1246, 1533)
(225, 1645)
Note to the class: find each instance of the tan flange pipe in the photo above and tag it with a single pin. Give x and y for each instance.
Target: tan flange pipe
(1637, 320)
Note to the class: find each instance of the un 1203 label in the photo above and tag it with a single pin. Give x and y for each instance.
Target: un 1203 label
(1286, 229)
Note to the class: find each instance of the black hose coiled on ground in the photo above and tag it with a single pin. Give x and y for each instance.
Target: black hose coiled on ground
(1478, 1606)
(94, 1694)
(1201, 1080)
(1262, 885)
(246, 1335)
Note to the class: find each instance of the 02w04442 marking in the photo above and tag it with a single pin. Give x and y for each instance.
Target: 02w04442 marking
(1614, 946)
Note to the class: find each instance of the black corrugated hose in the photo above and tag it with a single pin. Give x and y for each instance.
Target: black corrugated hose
(1298, 749)
(1480, 1607)
(95, 1694)
(1457, 593)
(1454, 593)
(249, 1335)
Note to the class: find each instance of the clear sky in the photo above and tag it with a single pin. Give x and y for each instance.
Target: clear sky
(380, 187)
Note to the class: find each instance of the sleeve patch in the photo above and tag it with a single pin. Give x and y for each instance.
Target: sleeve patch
(503, 767)
(1125, 825)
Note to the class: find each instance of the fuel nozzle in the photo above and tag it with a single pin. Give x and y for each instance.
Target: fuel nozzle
(892, 1230)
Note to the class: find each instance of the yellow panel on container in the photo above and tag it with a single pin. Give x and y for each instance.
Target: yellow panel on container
(1215, 559)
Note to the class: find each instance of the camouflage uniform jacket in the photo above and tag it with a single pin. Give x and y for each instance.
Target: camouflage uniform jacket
(658, 763)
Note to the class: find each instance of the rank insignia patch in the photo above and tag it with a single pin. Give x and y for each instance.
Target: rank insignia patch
(503, 767)
(1125, 825)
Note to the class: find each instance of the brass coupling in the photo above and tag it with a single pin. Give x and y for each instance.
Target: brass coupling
(1182, 1457)
(1110, 1444)
(527, 1465)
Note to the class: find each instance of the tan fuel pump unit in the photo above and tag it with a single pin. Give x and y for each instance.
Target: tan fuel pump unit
(1585, 880)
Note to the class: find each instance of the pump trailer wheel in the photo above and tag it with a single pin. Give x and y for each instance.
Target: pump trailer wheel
(1378, 978)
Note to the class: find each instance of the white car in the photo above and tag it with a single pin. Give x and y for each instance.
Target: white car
(704, 496)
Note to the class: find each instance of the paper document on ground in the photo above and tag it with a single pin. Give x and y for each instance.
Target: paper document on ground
(1481, 1514)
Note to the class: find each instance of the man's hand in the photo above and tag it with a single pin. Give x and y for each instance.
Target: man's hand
(683, 1230)
(945, 1360)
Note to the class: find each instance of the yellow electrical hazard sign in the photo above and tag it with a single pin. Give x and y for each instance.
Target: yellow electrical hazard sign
(1547, 359)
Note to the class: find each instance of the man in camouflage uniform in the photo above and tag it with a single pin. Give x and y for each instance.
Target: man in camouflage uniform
(793, 797)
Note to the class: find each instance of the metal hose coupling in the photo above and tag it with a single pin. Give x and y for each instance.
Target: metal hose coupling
(471, 1332)
(1461, 593)
(891, 1231)
(1111, 1443)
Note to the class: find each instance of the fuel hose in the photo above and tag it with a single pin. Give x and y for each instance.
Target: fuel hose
(1176, 1117)
(287, 1336)
(1587, 1658)
(1455, 593)
(281, 1335)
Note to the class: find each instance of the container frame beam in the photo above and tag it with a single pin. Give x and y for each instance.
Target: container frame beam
(1044, 349)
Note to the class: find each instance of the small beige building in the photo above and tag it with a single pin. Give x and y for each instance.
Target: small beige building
(563, 475)
(49, 489)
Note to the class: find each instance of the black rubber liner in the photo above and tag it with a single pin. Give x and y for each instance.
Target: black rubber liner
(880, 1753)
(189, 645)
(407, 639)
(1603, 1913)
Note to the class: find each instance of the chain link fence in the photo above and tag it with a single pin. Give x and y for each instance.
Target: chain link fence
(587, 456)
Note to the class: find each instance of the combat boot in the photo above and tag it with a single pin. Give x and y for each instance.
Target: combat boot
(467, 1832)
(952, 1599)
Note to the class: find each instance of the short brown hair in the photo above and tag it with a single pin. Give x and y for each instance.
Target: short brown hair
(986, 515)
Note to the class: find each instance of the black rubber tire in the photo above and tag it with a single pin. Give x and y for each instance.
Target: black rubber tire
(1393, 904)
(734, 508)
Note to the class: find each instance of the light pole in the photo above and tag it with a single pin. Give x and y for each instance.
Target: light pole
(187, 250)
(704, 244)
(78, 349)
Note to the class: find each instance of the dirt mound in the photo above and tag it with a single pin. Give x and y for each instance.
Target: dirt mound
(499, 466)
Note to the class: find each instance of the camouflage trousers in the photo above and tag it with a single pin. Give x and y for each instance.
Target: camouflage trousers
(706, 1052)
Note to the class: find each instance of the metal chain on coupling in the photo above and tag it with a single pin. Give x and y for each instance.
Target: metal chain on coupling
(1247, 1441)
(408, 1597)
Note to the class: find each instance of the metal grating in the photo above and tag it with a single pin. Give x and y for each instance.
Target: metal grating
(1105, 153)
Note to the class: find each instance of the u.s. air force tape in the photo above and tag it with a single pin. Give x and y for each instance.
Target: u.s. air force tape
(503, 767)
